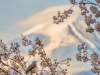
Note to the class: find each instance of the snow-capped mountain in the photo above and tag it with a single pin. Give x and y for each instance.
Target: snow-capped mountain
(60, 40)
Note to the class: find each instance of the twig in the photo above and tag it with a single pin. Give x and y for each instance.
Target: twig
(4, 71)
(10, 67)
(72, 6)
(91, 2)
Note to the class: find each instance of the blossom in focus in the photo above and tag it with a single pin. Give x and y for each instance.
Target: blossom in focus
(97, 26)
(78, 57)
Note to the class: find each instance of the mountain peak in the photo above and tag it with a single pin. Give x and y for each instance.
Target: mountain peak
(43, 16)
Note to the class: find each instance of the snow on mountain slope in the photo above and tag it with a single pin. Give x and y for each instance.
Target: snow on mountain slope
(60, 40)
(41, 17)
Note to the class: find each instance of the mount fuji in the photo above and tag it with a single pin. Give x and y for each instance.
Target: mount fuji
(60, 40)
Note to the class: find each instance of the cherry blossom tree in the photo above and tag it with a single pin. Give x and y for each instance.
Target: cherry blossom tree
(85, 56)
(18, 66)
(91, 16)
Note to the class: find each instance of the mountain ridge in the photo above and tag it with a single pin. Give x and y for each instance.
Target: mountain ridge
(61, 40)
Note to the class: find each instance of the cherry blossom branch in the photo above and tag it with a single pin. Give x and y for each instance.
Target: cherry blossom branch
(94, 9)
(38, 49)
(94, 58)
(4, 71)
(89, 2)
(10, 67)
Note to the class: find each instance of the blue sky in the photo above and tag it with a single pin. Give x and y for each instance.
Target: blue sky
(12, 11)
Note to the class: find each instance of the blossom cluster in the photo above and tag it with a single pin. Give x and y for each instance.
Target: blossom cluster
(37, 48)
(61, 16)
(12, 54)
(4, 52)
(90, 15)
(18, 64)
(85, 56)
